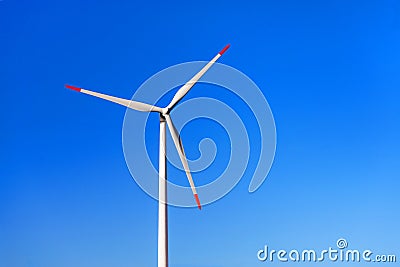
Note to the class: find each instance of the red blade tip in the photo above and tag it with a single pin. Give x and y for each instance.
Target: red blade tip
(224, 49)
(73, 87)
(197, 201)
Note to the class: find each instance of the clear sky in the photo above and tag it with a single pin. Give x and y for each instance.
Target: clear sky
(330, 72)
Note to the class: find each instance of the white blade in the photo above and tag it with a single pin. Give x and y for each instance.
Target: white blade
(185, 88)
(182, 156)
(124, 102)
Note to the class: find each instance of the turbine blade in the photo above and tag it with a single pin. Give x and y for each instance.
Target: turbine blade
(182, 156)
(124, 102)
(185, 88)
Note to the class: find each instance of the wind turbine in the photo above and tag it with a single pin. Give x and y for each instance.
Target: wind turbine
(165, 118)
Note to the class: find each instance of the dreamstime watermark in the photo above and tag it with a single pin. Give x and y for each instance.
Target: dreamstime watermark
(248, 142)
(340, 253)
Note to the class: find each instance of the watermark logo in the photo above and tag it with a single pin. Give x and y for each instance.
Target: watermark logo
(340, 253)
(341, 243)
(250, 138)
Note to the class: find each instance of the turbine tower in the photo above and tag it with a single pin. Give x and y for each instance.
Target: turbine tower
(165, 119)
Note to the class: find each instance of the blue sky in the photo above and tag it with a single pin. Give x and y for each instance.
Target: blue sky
(328, 70)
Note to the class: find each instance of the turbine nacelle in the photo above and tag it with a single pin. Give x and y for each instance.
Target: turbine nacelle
(165, 111)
